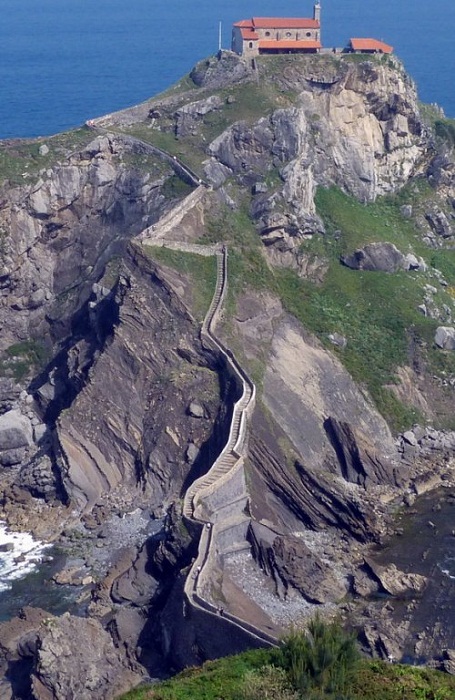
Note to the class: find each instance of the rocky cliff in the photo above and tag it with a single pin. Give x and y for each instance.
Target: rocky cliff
(111, 403)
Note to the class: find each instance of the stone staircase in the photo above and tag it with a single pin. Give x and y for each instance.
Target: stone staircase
(229, 522)
(231, 453)
(227, 530)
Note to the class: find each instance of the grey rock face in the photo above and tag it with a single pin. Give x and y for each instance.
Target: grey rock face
(76, 657)
(439, 223)
(445, 337)
(378, 257)
(196, 410)
(15, 431)
(357, 456)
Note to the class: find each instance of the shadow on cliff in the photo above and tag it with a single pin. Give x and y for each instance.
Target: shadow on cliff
(66, 375)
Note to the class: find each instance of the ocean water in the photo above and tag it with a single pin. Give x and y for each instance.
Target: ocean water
(20, 553)
(65, 61)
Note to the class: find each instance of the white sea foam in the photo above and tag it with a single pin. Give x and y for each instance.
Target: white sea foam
(22, 559)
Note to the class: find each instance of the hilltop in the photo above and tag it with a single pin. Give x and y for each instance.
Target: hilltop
(332, 189)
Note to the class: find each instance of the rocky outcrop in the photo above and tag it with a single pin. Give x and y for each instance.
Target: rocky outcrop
(303, 385)
(76, 657)
(359, 460)
(219, 71)
(133, 409)
(445, 337)
(382, 257)
(54, 657)
(108, 437)
(15, 435)
(65, 227)
(292, 564)
(439, 223)
(367, 117)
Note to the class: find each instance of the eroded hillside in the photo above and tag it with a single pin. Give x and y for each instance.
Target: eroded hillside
(333, 191)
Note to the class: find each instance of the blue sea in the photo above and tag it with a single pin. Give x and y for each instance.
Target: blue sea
(65, 61)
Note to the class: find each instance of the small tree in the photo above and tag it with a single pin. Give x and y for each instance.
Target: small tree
(320, 661)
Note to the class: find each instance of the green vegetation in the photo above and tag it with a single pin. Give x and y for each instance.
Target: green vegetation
(445, 130)
(20, 359)
(241, 102)
(201, 269)
(175, 188)
(377, 312)
(320, 664)
(214, 680)
(22, 161)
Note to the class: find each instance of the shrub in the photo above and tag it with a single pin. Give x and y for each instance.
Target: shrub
(320, 661)
(267, 683)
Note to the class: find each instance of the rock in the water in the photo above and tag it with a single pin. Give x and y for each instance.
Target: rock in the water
(394, 581)
(445, 337)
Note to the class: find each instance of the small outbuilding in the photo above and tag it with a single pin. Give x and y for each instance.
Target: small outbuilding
(369, 46)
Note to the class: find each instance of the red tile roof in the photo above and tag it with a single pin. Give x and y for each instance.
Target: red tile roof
(285, 23)
(370, 45)
(279, 23)
(244, 23)
(248, 34)
(263, 44)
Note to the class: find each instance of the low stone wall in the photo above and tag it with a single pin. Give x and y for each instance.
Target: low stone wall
(173, 218)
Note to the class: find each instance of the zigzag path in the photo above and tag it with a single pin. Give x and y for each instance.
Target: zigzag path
(229, 517)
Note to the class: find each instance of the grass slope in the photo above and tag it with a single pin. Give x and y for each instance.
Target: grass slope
(225, 679)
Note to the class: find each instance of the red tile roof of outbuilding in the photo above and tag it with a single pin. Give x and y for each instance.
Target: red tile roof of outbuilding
(370, 45)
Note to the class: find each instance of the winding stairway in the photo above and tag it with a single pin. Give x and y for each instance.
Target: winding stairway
(227, 521)
(229, 461)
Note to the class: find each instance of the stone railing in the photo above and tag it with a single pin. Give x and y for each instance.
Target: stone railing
(144, 147)
(173, 217)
